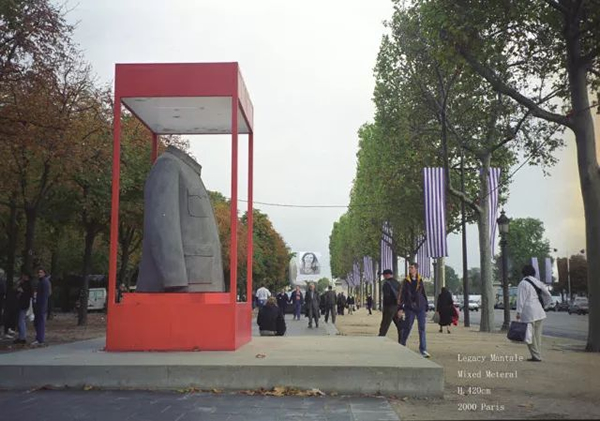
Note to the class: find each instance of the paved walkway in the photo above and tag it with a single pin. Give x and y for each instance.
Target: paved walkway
(92, 405)
(300, 327)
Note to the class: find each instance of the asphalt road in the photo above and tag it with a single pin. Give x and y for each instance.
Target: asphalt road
(557, 324)
(121, 405)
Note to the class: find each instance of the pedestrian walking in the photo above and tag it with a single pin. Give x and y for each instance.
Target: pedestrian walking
(40, 307)
(532, 299)
(330, 301)
(270, 319)
(311, 298)
(24, 295)
(390, 290)
(262, 295)
(369, 303)
(350, 303)
(413, 305)
(445, 309)
(341, 303)
(11, 313)
(297, 299)
(282, 301)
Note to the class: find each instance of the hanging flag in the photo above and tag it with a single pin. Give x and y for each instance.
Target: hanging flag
(368, 269)
(387, 255)
(435, 211)
(536, 266)
(356, 273)
(494, 193)
(423, 258)
(548, 270)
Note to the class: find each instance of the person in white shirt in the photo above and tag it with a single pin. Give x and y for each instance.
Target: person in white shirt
(532, 298)
(262, 295)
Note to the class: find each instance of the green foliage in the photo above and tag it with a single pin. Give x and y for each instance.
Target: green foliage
(322, 285)
(453, 282)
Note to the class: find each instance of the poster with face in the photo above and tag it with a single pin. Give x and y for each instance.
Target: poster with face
(305, 267)
(309, 263)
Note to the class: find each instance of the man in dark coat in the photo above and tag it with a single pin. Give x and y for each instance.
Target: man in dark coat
(282, 300)
(390, 290)
(341, 303)
(370, 303)
(330, 303)
(312, 300)
(40, 307)
(413, 305)
(445, 309)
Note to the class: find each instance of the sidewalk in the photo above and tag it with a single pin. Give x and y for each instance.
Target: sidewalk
(565, 385)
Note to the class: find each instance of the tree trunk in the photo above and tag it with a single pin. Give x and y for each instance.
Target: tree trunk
(11, 233)
(31, 218)
(90, 236)
(589, 172)
(440, 277)
(485, 250)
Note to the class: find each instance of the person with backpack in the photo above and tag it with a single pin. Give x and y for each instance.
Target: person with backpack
(390, 290)
(532, 299)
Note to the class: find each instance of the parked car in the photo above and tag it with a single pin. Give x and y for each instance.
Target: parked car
(473, 305)
(579, 306)
(563, 306)
(431, 305)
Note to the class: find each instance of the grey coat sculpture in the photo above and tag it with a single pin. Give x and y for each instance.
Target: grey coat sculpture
(181, 249)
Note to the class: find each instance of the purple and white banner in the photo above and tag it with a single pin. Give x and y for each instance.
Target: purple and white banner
(435, 211)
(387, 256)
(536, 266)
(494, 190)
(548, 270)
(356, 273)
(368, 270)
(423, 258)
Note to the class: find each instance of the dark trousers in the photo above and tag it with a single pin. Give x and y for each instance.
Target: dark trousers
(297, 310)
(369, 308)
(389, 315)
(40, 324)
(410, 317)
(330, 310)
(313, 313)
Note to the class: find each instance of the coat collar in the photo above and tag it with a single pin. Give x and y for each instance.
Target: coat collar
(178, 153)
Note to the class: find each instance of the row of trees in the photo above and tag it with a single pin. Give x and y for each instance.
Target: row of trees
(55, 177)
(473, 85)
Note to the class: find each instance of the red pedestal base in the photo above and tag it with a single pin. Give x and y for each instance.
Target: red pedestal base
(178, 322)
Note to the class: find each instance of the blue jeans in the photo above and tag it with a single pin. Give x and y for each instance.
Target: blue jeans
(407, 326)
(22, 324)
(297, 310)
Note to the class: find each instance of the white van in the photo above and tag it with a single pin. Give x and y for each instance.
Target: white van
(97, 299)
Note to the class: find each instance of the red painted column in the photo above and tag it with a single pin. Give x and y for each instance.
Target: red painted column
(114, 215)
(250, 247)
(154, 147)
(233, 251)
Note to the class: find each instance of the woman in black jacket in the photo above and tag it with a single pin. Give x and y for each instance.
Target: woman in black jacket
(445, 309)
(270, 319)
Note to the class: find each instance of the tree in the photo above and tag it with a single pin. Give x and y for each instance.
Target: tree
(453, 282)
(474, 275)
(553, 50)
(323, 284)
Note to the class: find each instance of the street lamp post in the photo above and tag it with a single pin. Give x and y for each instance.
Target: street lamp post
(503, 222)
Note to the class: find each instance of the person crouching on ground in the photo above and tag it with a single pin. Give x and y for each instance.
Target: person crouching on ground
(445, 309)
(532, 298)
(270, 319)
(413, 304)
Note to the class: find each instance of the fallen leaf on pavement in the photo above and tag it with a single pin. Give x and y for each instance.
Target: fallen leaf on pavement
(260, 356)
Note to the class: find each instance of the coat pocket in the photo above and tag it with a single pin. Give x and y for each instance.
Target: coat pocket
(198, 202)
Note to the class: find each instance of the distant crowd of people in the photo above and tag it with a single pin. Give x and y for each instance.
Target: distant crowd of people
(27, 300)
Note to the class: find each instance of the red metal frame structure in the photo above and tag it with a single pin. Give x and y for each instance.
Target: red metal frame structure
(182, 98)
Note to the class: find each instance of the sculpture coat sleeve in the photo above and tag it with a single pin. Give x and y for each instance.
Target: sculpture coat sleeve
(163, 223)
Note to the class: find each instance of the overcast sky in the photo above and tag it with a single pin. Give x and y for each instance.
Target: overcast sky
(309, 69)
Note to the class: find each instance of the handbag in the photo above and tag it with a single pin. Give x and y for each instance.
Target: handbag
(517, 331)
(436, 317)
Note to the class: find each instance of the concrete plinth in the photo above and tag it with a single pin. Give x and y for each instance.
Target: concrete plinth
(348, 365)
